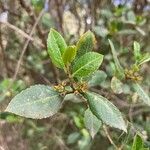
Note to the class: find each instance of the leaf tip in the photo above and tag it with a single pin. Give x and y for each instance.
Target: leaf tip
(92, 135)
(8, 109)
(123, 127)
(52, 30)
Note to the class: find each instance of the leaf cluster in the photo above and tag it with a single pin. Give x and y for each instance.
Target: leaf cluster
(81, 66)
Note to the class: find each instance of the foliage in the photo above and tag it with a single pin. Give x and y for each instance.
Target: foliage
(80, 98)
(41, 101)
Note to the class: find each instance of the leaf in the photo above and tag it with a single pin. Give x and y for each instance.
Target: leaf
(56, 47)
(131, 17)
(124, 32)
(116, 85)
(92, 123)
(69, 54)
(140, 30)
(105, 111)
(137, 48)
(73, 98)
(38, 101)
(87, 64)
(145, 58)
(119, 69)
(137, 143)
(97, 78)
(73, 138)
(142, 94)
(85, 43)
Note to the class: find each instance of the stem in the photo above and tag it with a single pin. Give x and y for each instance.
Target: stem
(70, 78)
(110, 139)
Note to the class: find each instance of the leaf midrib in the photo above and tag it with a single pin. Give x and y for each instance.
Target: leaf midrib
(37, 101)
(84, 66)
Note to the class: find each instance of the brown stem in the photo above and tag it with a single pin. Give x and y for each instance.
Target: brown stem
(70, 78)
(109, 138)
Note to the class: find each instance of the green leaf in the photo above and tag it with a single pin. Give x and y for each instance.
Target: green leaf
(119, 69)
(116, 85)
(87, 64)
(56, 47)
(92, 123)
(73, 138)
(38, 4)
(142, 94)
(137, 49)
(137, 143)
(145, 58)
(69, 54)
(85, 43)
(131, 17)
(97, 78)
(105, 111)
(37, 102)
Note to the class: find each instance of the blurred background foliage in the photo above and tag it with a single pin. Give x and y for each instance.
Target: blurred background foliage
(24, 27)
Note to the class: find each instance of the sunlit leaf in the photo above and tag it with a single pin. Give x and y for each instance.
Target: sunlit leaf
(85, 43)
(69, 54)
(137, 143)
(87, 64)
(56, 47)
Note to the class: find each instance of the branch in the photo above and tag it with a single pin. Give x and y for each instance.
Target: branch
(109, 138)
(26, 45)
(25, 35)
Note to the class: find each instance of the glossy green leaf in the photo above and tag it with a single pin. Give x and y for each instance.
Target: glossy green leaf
(142, 94)
(56, 47)
(87, 64)
(137, 143)
(69, 54)
(85, 43)
(119, 69)
(37, 102)
(116, 85)
(104, 110)
(97, 78)
(92, 123)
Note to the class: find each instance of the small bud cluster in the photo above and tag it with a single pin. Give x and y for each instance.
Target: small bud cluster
(133, 74)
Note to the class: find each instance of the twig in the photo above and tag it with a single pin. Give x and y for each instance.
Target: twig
(26, 45)
(109, 138)
(21, 32)
(31, 13)
(2, 53)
